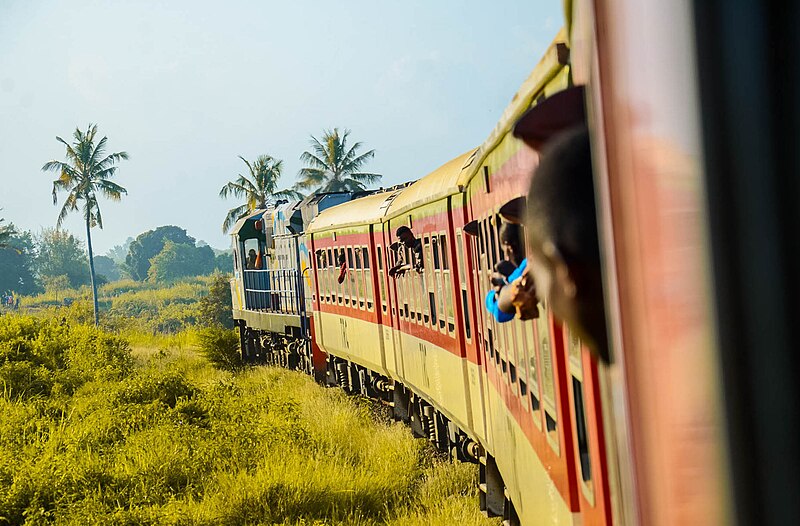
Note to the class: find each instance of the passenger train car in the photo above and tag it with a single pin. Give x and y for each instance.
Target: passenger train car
(561, 437)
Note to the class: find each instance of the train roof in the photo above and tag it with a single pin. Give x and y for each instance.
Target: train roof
(438, 184)
(244, 226)
(364, 210)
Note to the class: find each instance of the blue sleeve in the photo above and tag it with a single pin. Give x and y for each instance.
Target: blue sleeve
(491, 297)
(494, 310)
(519, 271)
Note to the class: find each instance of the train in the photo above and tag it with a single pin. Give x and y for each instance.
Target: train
(660, 432)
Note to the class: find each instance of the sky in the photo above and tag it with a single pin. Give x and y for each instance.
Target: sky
(185, 87)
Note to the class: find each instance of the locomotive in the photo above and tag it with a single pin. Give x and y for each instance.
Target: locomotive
(658, 433)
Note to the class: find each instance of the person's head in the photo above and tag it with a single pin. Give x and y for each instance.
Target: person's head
(252, 253)
(564, 257)
(406, 236)
(511, 242)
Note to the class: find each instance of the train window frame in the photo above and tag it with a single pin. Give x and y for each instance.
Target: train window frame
(583, 448)
(359, 276)
(461, 262)
(340, 287)
(330, 292)
(427, 284)
(439, 286)
(494, 241)
(447, 285)
(549, 400)
(381, 277)
(369, 292)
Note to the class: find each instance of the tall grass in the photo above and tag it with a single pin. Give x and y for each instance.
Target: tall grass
(168, 439)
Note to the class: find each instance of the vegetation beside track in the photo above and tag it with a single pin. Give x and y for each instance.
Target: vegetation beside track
(93, 431)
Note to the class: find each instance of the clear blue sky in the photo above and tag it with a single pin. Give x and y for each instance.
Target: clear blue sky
(186, 86)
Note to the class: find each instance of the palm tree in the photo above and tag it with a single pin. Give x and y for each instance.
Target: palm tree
(88, 171)
(333, 166)
(257, 191)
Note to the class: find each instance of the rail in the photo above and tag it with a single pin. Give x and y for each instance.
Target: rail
(271, 290)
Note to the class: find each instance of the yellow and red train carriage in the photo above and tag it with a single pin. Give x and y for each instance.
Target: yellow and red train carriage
(561, 437)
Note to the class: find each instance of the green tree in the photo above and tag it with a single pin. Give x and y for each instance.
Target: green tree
(106, 267)
(119, 252)
(224, 262)
(87, 172)
(178, 260)
(257, 191)
(17, 263)
(59, 253)
(55, 284)
(149, 244)
(334, 166)
(6, 233)
(215, 307)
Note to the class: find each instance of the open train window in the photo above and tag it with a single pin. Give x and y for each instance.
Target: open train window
(435, 249)
(381, 278)
(580, 431)
(369, 294)
(461, 262)
(492, 259)
(443, 247)
(447, 285)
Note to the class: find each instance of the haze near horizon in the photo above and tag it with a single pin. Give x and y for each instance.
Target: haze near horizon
(186, 87)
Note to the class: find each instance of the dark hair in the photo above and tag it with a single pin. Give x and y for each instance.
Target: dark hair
(402, 230)
(561, 203)
(511, 234)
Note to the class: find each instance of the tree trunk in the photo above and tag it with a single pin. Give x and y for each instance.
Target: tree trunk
(91, 271)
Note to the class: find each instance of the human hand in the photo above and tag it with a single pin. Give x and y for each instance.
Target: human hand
(524, 299)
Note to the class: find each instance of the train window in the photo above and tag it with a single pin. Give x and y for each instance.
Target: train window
(548, 381)
(341, 287)
(435, 248)
(251, 252)
(481, 240)
(447, 285)
(580, 431)
(443, 247)
(432, 301)
(381, 284)
(493, 244)
(498, 221)
(461, 262)
(368, 292)
(358, 278)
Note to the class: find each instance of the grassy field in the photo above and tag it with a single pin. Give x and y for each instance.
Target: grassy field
(94, 431)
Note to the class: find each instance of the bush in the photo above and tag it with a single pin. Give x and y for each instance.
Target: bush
(221, 347)
(38, 355)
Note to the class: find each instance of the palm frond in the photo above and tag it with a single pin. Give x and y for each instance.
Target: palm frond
(234, 214)
(70, 205)
(111, 190)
